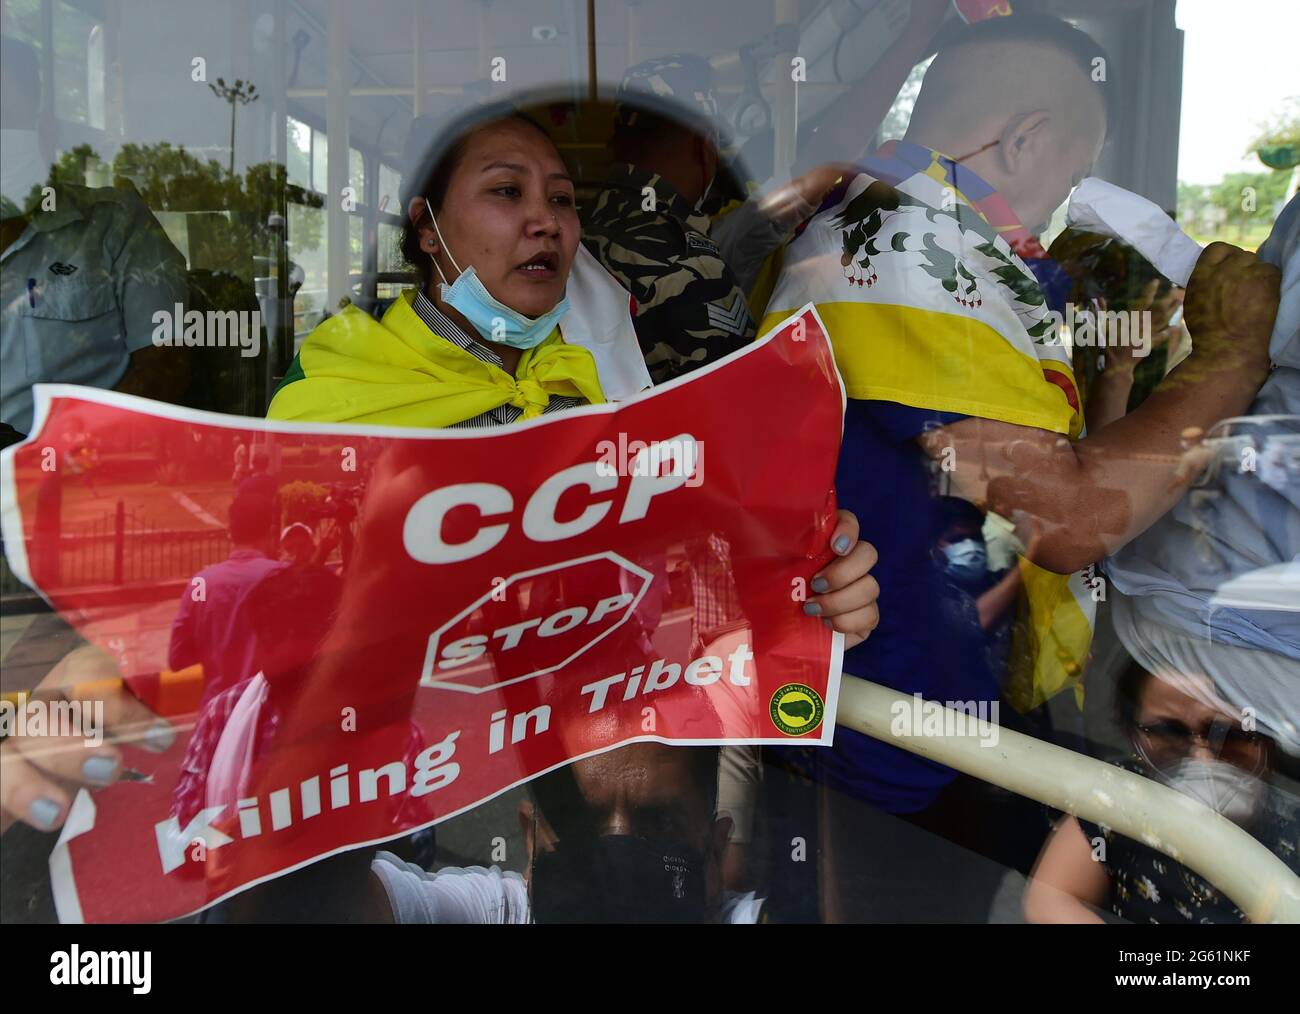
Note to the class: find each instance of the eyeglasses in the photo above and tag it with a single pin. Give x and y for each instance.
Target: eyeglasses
(1166, 742)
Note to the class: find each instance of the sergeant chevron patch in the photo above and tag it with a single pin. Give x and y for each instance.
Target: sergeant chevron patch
(733, 318)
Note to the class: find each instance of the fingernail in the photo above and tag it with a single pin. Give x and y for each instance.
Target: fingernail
(812, 608)
(44, 812)
(829, 624)
(99, 769)
(158, 737)
(820, 585)
(841, 545)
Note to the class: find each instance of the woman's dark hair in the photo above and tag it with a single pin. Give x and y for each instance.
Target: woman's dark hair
(430, 160)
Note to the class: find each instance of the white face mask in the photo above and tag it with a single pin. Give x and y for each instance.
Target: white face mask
(22, 166)
(1223, 787)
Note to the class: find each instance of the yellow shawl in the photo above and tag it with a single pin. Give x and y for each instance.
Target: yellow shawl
(396, 372)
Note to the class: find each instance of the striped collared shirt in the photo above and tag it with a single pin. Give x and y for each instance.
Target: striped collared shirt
(443, 326)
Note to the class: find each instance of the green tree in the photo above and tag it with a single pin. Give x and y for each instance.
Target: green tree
(172, 179)
(1240, 208)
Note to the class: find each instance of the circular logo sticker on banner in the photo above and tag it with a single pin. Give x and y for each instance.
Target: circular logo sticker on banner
(796, 709)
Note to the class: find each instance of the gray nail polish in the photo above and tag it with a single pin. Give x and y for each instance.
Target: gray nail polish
(158, 737)
(99, 769)
(841, 545)
(812, 608)
(44, 812)
(820, 585)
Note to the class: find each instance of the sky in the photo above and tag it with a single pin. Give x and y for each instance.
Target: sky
(1239, 62)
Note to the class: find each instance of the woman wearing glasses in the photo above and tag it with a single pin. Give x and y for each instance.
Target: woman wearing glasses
(1183, 736)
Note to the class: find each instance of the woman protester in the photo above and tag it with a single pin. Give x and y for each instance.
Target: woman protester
(493, 231)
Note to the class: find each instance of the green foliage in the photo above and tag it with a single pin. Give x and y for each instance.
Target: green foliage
(72, 166)
(170, 178)
(1240, 208)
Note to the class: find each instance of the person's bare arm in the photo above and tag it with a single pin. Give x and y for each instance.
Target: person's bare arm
(1108, 399)
(851, 123)
(1094, 495)
(994, 603)
(1065, 878)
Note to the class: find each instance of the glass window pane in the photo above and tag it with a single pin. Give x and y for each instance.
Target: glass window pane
(390, 248)
(356, 245)
(298, 152)
(357, 173)
(72, 68)
(308, 253)
(390, 186)
(173, 204)
(319, 162)
(22, 20)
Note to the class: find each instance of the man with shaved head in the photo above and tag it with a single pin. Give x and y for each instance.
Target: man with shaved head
(921, 268)
(1026, 109)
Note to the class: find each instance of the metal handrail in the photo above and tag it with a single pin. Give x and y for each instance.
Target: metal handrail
(1256, 880)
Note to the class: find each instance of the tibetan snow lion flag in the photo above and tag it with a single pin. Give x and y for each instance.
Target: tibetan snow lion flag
(918, 269)
(384, 627)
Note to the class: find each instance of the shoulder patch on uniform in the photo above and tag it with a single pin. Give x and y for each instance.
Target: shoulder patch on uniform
(732, 316)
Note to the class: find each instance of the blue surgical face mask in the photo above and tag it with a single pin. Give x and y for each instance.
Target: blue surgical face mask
(968, 560)
(490, 317)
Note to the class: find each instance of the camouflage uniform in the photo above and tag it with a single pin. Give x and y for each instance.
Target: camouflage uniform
(691, 311)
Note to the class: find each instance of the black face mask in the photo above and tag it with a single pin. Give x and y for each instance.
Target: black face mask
(619, 879)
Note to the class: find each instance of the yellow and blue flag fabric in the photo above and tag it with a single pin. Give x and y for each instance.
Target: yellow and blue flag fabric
(926, 302)
(918, 270)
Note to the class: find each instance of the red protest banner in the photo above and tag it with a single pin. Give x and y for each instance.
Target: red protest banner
(460, 611)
